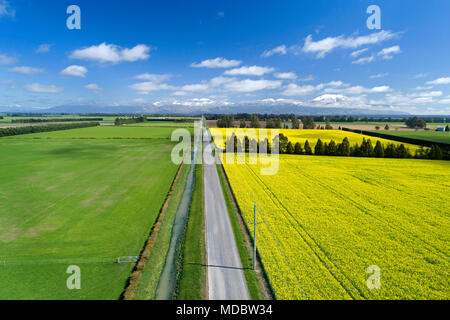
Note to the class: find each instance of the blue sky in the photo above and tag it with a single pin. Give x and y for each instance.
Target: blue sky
(207, 54)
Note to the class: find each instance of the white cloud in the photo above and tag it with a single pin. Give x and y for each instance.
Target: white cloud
(286, 75)
(379, 75)
(40, 88)
(219, 81)
(248, 85)
(387, 53)
(364, 60)
(295, 90)
(5, 59)
(112, 53)
(149, 86)
(249, 71)
(444, 101)
(26, 70)
(359, 90)
(195, 87)
(325, 46)
(423, 88)
(440, 81)
(6, 10)
(44, 48)
(75, 71)
(429, 94)
(357, 53)
(93, 87)
(281, 50)
(154, 77)
(217, 63)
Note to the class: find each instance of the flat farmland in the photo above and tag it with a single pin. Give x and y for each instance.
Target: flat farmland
(65, 200)
(300, 135)
(163, 124)
(104, 132)
(434, 136)
(325, 220)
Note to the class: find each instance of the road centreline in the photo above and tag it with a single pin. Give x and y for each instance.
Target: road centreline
(226, 280)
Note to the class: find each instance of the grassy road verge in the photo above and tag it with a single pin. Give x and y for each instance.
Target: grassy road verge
(191, 284)
(150, 275)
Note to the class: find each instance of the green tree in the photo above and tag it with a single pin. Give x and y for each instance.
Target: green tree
(298, 148)
(282, 142)
(318, 149)
(332, 149)
(328, 126)
(402, 152)
(435, 153)
(242, 123)
(415, 123)
(308, 150)
(389, 151)
(447, 128)
(295, 122)
(308, 122)
(254, 121)
(325, 149)
(379, 151)
(277, 123)
(289, 148)
(386, 127)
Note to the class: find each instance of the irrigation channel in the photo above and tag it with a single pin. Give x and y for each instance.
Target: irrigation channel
(166, 285)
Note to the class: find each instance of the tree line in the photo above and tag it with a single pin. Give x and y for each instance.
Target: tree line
(32, 120)
(121, 121)
(331, 118)
(344, 149)
(309, 122)
(14, 131)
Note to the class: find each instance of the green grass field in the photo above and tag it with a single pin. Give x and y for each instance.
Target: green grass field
(434, 136)
(163, 124)
(78, 202)
(104, 132)
(106, 119)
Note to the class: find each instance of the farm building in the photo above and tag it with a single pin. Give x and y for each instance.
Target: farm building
(440, 129)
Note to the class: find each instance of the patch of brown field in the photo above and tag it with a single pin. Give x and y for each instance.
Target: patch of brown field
(109, 203)
(87, 202)
(51, 188)
(371, 127)
(15, 233)
(133, 281)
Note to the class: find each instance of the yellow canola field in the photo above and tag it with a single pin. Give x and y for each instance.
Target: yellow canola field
(325, 220)
(312, 136)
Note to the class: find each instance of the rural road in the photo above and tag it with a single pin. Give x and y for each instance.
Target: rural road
(226, 280)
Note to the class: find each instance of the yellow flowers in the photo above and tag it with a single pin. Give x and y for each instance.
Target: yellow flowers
(311, 135)
(325, 220)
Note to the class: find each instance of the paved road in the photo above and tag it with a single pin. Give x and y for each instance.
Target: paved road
(226, 280)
